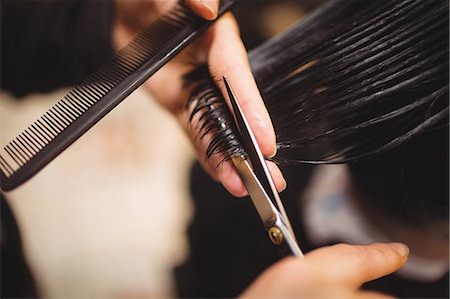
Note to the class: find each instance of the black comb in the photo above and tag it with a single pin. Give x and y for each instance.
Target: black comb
(87, 103)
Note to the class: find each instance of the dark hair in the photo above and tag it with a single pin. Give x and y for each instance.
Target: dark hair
(354, 80)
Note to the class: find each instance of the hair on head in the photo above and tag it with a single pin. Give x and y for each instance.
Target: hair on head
(358, 82)
(350, 81)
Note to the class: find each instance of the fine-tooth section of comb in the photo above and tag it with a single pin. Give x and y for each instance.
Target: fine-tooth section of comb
(87, 103)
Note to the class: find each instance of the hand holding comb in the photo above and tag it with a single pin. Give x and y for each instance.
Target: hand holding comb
(87, 103)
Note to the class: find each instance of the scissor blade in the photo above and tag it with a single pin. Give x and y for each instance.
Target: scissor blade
(248, 138)
(266, 210)
(255, 156)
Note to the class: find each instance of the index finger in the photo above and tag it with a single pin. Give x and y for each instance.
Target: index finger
(228, 57)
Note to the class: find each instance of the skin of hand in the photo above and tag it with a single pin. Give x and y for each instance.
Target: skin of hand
(225, 53)
(330, 272)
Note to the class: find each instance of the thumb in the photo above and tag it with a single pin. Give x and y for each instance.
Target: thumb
(354, 265)
(207, 9)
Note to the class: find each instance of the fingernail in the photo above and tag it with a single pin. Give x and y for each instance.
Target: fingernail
(240, 192)
(210, 7)
(273, 153)
(283, 185)
(244, 193)
(401, 249)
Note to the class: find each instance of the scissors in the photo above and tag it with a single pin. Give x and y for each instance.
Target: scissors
(260, 185)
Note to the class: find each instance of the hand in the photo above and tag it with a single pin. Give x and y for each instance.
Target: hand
(330, 272)
(225, 53)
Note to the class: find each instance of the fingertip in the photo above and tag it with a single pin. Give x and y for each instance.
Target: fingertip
(272, 152)
(277, 176)
(207, 9)
(395, 253)
(282, 185)
(267, 140)
(400, 248)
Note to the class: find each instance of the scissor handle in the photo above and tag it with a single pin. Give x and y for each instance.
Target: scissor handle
(279, 233)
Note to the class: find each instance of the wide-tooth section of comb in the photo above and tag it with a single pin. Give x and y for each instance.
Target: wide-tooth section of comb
(87, 103)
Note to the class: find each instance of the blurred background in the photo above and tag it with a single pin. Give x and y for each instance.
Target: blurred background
(108, 217)
(127, 211)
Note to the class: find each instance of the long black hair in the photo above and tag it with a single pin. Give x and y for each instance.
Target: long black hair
(357, 81)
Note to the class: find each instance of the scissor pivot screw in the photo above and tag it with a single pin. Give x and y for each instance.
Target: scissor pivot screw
(275, 235)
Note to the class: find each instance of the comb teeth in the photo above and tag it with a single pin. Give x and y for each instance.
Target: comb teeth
(64, 113)
(87, 103)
